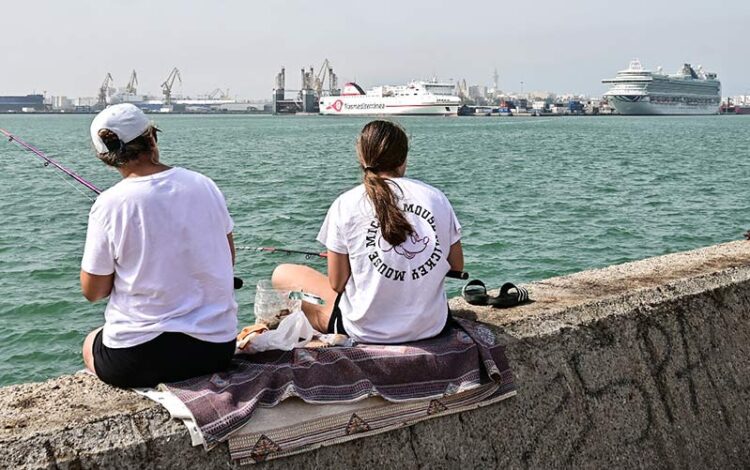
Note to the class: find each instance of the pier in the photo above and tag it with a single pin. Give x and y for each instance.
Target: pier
(636, 365)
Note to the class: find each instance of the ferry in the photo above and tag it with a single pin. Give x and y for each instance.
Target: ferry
(417, 98)
(640, 91)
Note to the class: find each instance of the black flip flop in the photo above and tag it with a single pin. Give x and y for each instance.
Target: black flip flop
(507, 298)
(475, 293)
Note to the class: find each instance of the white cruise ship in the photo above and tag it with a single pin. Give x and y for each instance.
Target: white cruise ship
(416, 98)
(639, 91)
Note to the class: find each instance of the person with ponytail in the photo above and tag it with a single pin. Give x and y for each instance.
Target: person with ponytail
(159, 245)
(391, 241)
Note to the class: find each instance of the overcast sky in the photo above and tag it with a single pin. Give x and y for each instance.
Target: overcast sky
(67, 47)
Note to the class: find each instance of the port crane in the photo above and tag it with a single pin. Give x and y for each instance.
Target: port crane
(104, 91)
(326, 72)
(462, 90)
(132, 84)
(167, 85)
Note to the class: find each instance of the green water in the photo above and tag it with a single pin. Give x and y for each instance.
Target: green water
(537, 197)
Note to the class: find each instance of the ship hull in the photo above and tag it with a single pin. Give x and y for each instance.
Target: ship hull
(365, 106)
(644, 107)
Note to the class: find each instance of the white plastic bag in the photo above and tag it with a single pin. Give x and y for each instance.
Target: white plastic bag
(294, 331)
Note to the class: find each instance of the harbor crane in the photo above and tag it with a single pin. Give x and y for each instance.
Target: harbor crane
(166, 87)
(462, 90)
(104, 91)
(130, 88)
(326, 72)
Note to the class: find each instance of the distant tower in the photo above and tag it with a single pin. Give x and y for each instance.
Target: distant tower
(495, 78)
(280, 83)
(278, 91)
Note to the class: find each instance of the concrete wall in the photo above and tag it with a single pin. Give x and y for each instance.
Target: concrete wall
(645, 364)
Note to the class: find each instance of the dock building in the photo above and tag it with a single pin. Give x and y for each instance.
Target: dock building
(22, 104)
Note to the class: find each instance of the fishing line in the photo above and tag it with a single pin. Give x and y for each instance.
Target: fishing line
(69, 183)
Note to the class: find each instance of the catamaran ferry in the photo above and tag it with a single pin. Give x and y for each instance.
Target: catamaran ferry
(417, 98)
(639, 91)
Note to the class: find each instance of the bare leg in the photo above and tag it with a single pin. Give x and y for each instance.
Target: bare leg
(305, 278)
(88, 350)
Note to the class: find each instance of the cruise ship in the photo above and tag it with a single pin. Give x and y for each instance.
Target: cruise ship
(416, 98)
(639, 91)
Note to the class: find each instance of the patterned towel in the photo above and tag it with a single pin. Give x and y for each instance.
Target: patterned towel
(462, 358)
(294, 426)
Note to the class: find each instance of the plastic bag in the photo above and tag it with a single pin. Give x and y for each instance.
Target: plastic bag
(294, 331)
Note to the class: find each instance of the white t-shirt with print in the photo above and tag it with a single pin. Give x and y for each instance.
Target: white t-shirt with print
(165, 238)
(394, 294)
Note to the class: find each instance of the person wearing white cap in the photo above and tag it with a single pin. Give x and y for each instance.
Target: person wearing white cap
(159, 245)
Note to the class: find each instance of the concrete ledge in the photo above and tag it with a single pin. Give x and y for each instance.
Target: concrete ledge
(645, 364)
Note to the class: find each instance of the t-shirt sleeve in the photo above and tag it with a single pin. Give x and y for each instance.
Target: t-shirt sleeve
(226, 219)
(330, 233)
(98, 253)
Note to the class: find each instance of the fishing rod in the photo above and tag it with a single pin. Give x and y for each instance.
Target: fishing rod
(49, 161)
(463, 275)
(286, 251)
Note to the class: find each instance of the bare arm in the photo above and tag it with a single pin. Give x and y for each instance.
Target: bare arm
(338, 270)
(95, 287)
(456, 257)
(230, 239)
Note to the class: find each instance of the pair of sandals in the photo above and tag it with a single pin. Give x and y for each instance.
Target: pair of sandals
(475, 293)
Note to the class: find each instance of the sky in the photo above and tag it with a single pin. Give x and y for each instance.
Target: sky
(67, 47)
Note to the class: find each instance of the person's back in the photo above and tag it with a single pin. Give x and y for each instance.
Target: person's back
(390, 243)
(162, 235)
(395, 293)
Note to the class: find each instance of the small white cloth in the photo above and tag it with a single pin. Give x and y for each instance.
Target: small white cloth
(176, 409)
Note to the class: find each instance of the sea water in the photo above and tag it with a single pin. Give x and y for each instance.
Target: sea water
(537, 197)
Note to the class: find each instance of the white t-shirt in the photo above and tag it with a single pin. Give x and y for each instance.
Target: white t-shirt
(165, 238)
(394, 294)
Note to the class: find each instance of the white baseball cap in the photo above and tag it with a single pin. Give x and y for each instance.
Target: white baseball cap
(126, 120)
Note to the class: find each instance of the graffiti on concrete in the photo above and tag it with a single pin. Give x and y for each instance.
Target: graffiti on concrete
(645, 382)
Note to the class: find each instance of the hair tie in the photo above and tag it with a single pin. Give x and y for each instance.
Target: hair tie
(370, 168)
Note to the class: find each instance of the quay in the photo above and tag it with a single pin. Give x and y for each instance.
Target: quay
(638, 365)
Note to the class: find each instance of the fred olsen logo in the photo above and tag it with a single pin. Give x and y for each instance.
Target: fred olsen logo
(339, 105)
(336, 106)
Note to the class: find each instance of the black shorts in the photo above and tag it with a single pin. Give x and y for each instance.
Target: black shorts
(169, 357)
